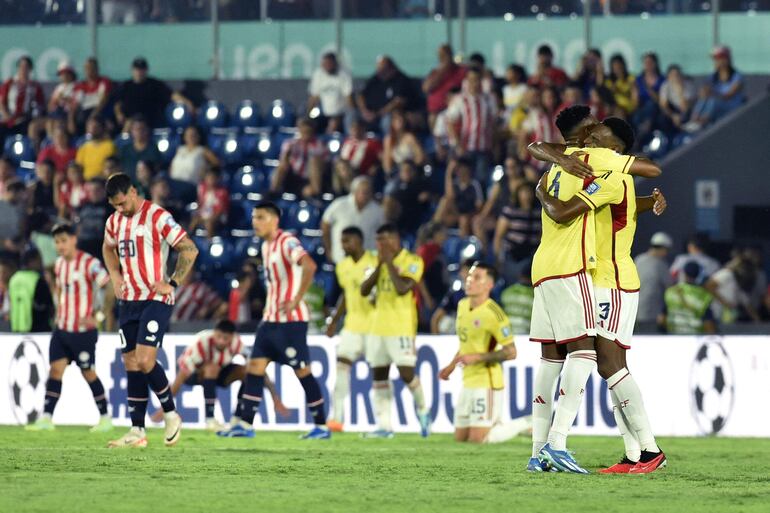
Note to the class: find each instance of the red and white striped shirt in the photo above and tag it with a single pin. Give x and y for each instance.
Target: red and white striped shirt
(362, 154)
(143, 241)
(204, 350)
(300, 152)
(191, 299)
(76, 282)
(88, 95)
(283, 273)
(477, 115)
(21, 99)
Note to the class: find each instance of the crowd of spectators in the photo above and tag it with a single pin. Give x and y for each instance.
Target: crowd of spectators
(445, 160)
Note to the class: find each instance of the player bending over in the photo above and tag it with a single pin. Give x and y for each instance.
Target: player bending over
(482, 326)
(282, 334)
(616, 285)
(351, 272)
(79, 282)
(208, 362)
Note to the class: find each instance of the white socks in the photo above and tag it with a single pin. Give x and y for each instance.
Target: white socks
(633, 449)
(419, 397)
(505, 431)
(383, 399)
(542, 405)
(341, 391)
(577, 370)
(629, 399)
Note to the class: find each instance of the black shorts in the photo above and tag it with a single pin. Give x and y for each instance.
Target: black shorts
(196, 378)
(142, 322)
(282, 342)
(75, 347)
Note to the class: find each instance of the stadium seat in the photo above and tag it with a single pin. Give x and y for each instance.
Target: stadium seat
(212, 115)
(334, 143)
(246, 247)
(19, 148)
(657, 146)
(276, 141)
(456, 248)
(254, 142)
(224, 143)
(247, 182)
(122, 140)
(220, 255)
(167, 143)
(178, 116)
(239, 217)
(302, 216)
(326, 278)
(247, 115)
(281, 114)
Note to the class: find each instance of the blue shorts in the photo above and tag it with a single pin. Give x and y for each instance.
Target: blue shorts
(142, 322)
(75, 347)
(282, 342)
(196, 378)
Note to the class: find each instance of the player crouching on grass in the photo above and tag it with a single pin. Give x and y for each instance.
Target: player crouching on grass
(79, 284)
(208, 361)
(482, 326)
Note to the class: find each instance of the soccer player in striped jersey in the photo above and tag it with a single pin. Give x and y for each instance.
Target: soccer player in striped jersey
(282, 334)
(137, 238)
(617, 289)
(208, 361)
(79, 283)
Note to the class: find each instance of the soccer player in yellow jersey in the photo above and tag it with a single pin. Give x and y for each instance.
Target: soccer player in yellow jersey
(616, 286)
(393, 327)
(563, 309)
(486, 340)
(357, 309)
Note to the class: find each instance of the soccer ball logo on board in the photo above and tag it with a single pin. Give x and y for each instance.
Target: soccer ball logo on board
(712, 386)
(26, 381)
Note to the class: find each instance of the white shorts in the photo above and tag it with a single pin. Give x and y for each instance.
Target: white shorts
(478, 408)
(563, 310)
(616, 315)
(382, 351)
(352, 346)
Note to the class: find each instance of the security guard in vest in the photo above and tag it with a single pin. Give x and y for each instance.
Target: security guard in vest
(31, 302)
(687, 309)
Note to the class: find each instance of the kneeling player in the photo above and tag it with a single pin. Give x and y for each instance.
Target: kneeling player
(79, 283)
(482, 326)
(208, 361)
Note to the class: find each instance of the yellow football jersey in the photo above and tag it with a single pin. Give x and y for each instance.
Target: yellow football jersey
(481, 330)
(568, 248)
(395, 315)
(350, 275)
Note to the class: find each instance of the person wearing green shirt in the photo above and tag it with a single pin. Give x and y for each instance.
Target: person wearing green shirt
(30, 297)
(687, 306)
(516, 301)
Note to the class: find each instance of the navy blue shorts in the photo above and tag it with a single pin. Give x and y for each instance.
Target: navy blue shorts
(142, 322)
(282, 342)
(75, 347)
(196, 378)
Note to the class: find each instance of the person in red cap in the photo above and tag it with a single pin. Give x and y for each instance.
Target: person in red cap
(726, 82)
(62, 99)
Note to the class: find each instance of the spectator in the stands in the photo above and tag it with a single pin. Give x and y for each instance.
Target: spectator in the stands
(697, 251)
(647, 96)
(687, 305)
(32, 306)
(388, 90)
(546, 74)
(60, 151)
(7, 174)
(21, 101)
(516, 300)
(478, 62)
(111, 166)
(192, 158)
(677, 95)
(141, 147)
(13, 212)
(213, 204)
(40, 192)
(537, 125)
(91, 96)
(703, 112)
(407, 198)
(498, 195)
(517, 233)
(463, 197)
(247, 297)
(602, 103)
(301, 164)
(429, 246)
(400, 144)
(754, 255)
(514, 89)
(160, 194)
(93, 153)
(359, 155)
(330, 89)
(476, 113)
(440, 130)
(732, 286)
(126, 12)
(621, 84)
(572, 95)
(195, 301)
(91, 216)
(144, 95)
(443, 319)
(590, 71)
(146, 171)
(652, 266)
(442, 79)
(71, 191)
(359, 209)
(726, 82)
(62, 100)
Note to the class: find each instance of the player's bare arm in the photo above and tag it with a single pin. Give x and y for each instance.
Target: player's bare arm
(339, 311)
(655, 203)
(402, 284)
(645, 168)
(449, 369)
(560, 211)
(308, 272)
(184, 263)
(371, 280)
(554, 153)
(112, 263)
(508, 352)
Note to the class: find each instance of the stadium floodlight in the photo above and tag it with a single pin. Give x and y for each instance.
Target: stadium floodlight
(277, 111)
(314, 113)
(231, 145)
(163, 145)
(498, 173)
(217, 249)
(334, 145)
(177, 113)
(18, 147)
(264, 144)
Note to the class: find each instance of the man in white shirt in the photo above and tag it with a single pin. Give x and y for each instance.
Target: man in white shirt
(655, 277)
(696, 252)
(355, 209)
(330, 89)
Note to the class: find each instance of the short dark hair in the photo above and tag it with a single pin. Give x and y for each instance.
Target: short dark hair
(478, 58)
(225, 326)
(568, 119)
(622, 130)
(330, 55)
(8, 160)
(388, 228)
(464, 161)
(353, 230)
(29, 257)
(269, 206)
(467, 263)
(139, 118)
(518, 68)
(119, 183)
(25, 58)
(489, 268)
(545, 50)
(64, 227)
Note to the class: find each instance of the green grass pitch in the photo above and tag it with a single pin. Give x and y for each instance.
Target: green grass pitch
(71, 470)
